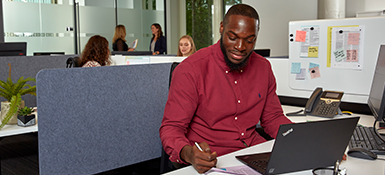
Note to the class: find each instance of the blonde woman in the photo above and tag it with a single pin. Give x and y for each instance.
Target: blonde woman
(186, 46)
(119, 39)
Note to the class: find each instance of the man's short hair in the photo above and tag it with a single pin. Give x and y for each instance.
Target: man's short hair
(241, 9)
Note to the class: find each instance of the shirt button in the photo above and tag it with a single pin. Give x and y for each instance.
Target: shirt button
(239, 101)
(178, 159)
(227, 72)
(236, 118)
(236, 82)
(242, 134)
(241, 70)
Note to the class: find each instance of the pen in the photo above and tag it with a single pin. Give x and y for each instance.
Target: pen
(199, 147)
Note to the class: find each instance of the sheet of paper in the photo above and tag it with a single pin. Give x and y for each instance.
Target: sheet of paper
(309, 47)
(347, 47)
(132, 60)
(235, 170)
(311, 65)
(339, 54)
(295, 68)
(314, 72)
(301, 75)
(354, 38)
(300, 36)
(351, 55)
(312, 52)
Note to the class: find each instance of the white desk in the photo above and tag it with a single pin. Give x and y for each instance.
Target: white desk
(353, 165)
(10, 130)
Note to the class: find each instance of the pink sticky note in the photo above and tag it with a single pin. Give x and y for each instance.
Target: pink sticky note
(351, 55)
(354, 38)
(300, 36)
(128, 62)
(314, 72)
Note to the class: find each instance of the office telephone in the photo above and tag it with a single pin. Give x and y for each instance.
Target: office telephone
(323, 103)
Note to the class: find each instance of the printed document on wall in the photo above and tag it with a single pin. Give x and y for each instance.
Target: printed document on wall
(309, 48)
(347, 48)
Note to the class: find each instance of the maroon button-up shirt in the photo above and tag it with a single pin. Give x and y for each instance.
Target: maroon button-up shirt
(209, 103)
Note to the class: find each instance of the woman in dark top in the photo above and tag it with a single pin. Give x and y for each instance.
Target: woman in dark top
(158, 41)
(119, 41)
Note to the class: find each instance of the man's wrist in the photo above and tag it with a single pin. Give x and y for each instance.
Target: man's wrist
(185, 153)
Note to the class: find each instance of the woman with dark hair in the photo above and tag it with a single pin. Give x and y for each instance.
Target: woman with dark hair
(158, 41)
(96, 52)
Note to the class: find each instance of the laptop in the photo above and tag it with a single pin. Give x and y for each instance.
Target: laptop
(303, 146)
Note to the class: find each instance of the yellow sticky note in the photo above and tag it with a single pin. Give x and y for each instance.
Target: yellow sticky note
(312, 51)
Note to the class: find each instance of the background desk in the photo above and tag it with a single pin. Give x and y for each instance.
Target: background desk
(353, 165)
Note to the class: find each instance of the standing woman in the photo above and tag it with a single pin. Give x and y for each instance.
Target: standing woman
(186, 46)
(158, 41)
(96, 52)
(119, 39)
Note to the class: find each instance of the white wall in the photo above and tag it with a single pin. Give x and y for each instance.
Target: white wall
(354, 6)
(275, 16)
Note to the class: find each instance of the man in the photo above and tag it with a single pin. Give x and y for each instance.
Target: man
(219, 94)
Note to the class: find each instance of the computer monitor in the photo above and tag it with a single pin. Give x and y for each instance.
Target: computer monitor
(376, 101)
(48, 53)
(263, 52)
(133, 53)
(13, 49)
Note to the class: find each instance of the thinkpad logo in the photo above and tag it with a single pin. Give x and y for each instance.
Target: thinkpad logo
(288, 132)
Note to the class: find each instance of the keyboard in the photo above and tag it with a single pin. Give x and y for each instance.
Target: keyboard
(365, 137)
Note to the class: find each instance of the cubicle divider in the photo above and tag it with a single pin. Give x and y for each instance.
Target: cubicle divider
(96, 119)
(29, 66)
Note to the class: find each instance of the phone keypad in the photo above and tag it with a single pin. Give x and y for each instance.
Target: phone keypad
(326, 109)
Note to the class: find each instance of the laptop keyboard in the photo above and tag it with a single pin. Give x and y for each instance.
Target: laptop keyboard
(365, 137)
(260, 163)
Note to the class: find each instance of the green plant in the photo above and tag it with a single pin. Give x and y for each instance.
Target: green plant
(13, 92)
(25, 111)
(15, 103)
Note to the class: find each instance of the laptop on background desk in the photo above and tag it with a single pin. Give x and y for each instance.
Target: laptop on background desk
(303, 146)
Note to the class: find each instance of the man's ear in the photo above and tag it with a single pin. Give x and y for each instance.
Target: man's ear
(221, 28)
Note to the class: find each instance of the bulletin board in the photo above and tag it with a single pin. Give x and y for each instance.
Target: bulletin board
(335, 54)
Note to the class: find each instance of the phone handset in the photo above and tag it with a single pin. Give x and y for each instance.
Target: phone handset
(313, 99)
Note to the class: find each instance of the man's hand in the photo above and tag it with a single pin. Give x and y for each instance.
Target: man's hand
(202, 161)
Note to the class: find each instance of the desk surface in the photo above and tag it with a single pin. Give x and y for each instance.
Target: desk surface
(353, 165)
(10, 130)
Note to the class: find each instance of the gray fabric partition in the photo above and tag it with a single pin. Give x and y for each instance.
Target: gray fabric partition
(96, 119)
(29, 66)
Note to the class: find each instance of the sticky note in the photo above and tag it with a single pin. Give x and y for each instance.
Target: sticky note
(295, 68)
(300, 36)
(311, 65)
(339, 54)
(301, 75)
(354, 38)
(314, 72)
(351, 55)
(312, 51)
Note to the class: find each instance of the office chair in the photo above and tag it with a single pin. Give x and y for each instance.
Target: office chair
(165, 163)
(72, 62)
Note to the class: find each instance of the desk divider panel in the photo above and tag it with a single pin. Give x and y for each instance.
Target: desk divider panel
(96, 119)
(29, 66)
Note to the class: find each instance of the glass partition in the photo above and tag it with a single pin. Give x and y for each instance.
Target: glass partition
(41, 25)
(44, 24)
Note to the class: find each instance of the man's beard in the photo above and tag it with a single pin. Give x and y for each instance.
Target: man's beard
(234, 67)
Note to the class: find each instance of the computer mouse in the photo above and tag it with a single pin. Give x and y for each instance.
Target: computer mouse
(362, 153)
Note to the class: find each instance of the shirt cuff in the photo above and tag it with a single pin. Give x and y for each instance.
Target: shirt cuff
(175, 156)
